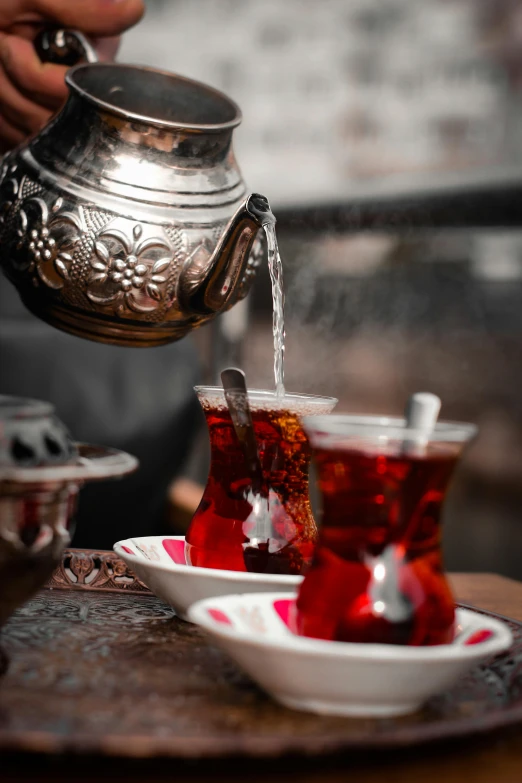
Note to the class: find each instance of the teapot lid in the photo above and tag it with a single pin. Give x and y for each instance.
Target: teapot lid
(22, 408)
(31, 435)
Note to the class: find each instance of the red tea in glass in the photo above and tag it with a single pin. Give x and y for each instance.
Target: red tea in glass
(225, 531)
(377, 572)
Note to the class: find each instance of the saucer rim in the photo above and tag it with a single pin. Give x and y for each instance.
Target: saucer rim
(222, 573)
(306, 646)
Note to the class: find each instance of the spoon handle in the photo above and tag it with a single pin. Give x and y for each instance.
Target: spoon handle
(422, 410)
(236, 395)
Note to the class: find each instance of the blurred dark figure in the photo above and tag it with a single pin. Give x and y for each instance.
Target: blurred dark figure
(138, 400)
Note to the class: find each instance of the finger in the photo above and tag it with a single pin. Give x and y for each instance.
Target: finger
(9, 136)
(40, 82)
(92, 17)
(17, 11)
(24, 30)
(107, 48)
(20, 112)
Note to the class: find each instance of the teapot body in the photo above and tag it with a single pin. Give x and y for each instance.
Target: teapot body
(105, 211)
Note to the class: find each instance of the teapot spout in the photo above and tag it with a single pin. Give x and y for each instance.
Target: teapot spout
(222, 281)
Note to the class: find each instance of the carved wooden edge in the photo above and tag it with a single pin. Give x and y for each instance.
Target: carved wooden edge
(87, 569)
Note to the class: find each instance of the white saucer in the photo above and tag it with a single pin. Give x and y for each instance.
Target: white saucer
(159, 561)
(337, 678)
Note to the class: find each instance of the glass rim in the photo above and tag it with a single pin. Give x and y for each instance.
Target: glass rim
(269, 395)
(339, 427)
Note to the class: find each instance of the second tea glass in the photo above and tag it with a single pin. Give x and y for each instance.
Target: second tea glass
(377, 572)
(236, 529)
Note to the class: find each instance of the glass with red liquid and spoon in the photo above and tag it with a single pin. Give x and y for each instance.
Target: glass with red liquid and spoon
(377, 573)
(265, 526)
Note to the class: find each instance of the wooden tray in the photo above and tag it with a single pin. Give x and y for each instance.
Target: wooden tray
(99, 665)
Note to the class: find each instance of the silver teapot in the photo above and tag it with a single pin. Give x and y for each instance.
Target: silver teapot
(125, 220)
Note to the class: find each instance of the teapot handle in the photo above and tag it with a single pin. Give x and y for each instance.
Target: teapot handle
(64, 47)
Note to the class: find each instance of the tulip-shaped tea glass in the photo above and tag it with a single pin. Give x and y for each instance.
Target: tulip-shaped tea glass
(237, 527)
(377, 572)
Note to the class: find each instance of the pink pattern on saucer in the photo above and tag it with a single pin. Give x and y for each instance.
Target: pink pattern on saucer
(480, 636)
(283, 607)
(219, 616)
(175, 549)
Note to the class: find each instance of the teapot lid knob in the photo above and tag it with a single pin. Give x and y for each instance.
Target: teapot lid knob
(64, 47)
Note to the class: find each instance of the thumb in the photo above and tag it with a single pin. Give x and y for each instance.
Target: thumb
(92, 17)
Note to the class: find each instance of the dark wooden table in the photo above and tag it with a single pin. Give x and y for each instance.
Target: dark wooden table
(495, 758)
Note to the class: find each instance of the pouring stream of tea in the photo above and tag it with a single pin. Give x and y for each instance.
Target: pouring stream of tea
(275, 268)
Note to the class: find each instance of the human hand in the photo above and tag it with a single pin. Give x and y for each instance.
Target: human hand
(31, 91)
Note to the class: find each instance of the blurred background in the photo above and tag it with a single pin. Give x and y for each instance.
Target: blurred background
(372, 107)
